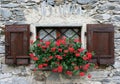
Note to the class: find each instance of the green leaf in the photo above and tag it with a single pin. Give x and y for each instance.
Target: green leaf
(65, 66)
(76, 72)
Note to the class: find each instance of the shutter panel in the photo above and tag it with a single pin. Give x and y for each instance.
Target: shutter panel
(17, 44)
(100, 39)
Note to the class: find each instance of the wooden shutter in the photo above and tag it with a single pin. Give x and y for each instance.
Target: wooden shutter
(17, 44)
(100, 39)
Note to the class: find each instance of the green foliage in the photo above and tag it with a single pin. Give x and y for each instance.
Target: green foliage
(63, 56)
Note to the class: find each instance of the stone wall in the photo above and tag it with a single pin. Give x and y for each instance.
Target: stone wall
(58, 13)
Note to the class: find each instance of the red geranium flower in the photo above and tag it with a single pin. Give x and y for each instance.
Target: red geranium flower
(89, 76)
(81, 73)
(89, 55)
(45, 65)
(35, 58)
(57, 43)
(60, 68)
(58, 57)
(63, 42)
(38, 45)
(60, 50)
(53, 49)
(81, 49)
(31, 55)
(69, 73)
(85, 67)
(77, 54)
(85, 58)
(41, 40)
(44, 47)
(47, 43)
(71, 49)
(77, 40)
(40, 66)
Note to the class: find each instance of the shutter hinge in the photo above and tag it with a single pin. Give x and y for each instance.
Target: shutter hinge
(85, 33)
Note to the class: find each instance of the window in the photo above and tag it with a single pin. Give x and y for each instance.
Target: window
(54, 33)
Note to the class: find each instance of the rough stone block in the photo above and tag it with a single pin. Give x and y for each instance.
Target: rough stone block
(2, 58)
(10, 5)
(2, 49)
(99, 74)
(114, 0)
(7, 69)
(21, 80)
(6, 13)
(117, 35)
(116, 18)
(83, 1)
(5, 75)
(54, 77)
(117, 64)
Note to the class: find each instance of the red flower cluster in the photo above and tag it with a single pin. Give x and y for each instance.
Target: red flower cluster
(53, 49)
(59, 57)
(59, 69)
(69, 73)
(62, 56)
(40, 66)
(81, 73)
(38, 45)
(77, 54)
(86, 67)
(60, 50)
(47, 43)
(77, 40)
(81, 49)
(71, 49)
(89, 76)
(88, 56)
(61, 41)
(33, 57)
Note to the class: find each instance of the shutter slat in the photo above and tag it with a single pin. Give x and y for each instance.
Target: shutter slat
(100, 39)
(19, 57)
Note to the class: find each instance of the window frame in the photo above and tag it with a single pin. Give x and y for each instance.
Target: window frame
(59, 28)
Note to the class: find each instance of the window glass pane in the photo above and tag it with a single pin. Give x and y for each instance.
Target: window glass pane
(70, 33)
(47, 34)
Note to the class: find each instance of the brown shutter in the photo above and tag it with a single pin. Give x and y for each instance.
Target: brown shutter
(100, 39)
(17, 44)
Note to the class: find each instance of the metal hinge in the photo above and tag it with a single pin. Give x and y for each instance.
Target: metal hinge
(85, 33)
